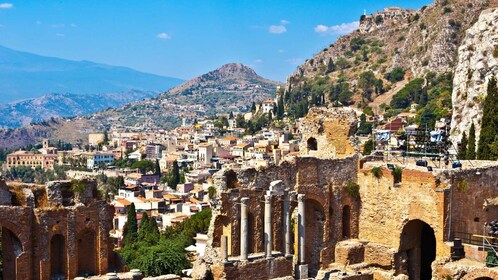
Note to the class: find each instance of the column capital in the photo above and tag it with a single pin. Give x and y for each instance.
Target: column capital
(244, 200)
(267, 198)
(301, 197)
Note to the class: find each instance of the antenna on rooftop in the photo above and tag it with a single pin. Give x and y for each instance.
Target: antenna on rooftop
(365, 12)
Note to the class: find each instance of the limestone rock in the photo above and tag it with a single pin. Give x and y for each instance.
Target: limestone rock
(54, 192)
(477, 63)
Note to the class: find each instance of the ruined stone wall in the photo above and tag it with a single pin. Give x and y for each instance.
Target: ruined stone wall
(35, 220)
(326, 132)
(323, 183)
(471, 189)
(386, 208)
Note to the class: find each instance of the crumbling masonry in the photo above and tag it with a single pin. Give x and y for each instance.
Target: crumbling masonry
(54, 230)
(326, 210)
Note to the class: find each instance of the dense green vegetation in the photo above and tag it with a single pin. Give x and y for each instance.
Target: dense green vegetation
(432, 96)
(27, 174)
(158, 254)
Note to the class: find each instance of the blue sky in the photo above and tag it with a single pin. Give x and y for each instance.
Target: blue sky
(184, 38)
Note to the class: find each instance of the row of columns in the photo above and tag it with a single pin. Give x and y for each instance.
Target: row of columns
(268, 236)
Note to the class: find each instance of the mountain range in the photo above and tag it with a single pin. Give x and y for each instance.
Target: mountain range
(53, 105)
(25, 75)
(232, 87)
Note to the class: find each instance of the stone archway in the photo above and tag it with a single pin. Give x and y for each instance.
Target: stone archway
(57, 256)
(418, 245)
(314, 228)
(87, 253)
(12, 249)
(484, 278)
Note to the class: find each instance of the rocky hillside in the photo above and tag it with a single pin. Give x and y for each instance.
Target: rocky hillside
(56, 105)
(233, 87)
(414, 41)
(477, 63)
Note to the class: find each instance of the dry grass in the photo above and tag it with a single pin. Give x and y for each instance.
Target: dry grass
(18, 196)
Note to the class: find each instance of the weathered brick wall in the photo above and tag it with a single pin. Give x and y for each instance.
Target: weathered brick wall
(386, 208)
(36, 227)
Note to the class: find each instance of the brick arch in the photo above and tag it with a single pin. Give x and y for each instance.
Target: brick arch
(418, 247)
(87, 252)
(16, 223)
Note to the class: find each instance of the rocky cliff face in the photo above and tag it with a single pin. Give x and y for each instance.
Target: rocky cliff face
(477, 63)
(419, 41)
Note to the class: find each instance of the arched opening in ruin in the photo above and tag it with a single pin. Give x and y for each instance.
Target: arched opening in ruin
(484, 278)
(419, 243)
(346, 222)
(312, 144)
(11, 249)
(232, 181)
(314, 232)
(87, 253)
(57, 257)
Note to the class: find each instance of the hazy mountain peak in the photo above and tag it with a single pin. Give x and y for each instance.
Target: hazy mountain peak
(25, 75)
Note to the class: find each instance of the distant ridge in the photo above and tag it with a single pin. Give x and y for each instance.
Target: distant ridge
(25, 75)
(53, 105)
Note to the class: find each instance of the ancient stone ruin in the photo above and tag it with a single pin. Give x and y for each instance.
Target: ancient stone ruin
(314, 216)
(60, 229)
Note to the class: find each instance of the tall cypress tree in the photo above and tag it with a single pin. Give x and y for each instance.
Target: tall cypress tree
(158, 168)
(471, 148)
(462, 150)
(175, 176)
(489, 122)
(131, 226)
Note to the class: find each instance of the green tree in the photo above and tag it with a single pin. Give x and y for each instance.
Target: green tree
(106, 138)
(471, 148)
(330, 66)
(368, 147)
(174, 179)
(366, 82)
(130, 231)
(253, 107)
(489, 127)
(462, 150)
(157, 168)
(144, 166)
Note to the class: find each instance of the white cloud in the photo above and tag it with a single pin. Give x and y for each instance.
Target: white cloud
(59, 25)
(163, 36)
(284, 22)
(277, 29)
(73, 25)
(6, 5)
(259, 60)
(340, 29)
(280, 50)
(38, 22)
(60, 35)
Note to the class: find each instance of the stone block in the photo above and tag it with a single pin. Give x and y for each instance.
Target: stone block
(379, 255)
(5, 196)
(349, 252)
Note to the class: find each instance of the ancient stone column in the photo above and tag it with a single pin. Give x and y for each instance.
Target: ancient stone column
(268, 231)
(224, 248)
(244, 223)
(287, 229)
(300, 228)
